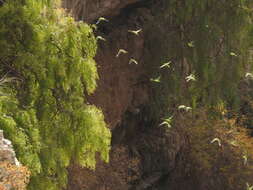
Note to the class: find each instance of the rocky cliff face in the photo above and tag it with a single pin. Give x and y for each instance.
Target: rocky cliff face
(89, 10)
(142, 156)
(7, 153)
(13, 176)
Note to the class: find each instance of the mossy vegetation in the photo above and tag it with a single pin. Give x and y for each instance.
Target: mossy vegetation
(47, 67)
(209, 39)
(228, 164)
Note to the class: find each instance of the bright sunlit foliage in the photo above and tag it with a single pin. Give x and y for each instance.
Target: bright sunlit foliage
(44, 111)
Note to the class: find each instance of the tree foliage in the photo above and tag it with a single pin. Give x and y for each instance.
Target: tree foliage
(207, 38)
(43, 110)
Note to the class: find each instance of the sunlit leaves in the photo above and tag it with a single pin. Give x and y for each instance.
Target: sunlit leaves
(46, 115)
